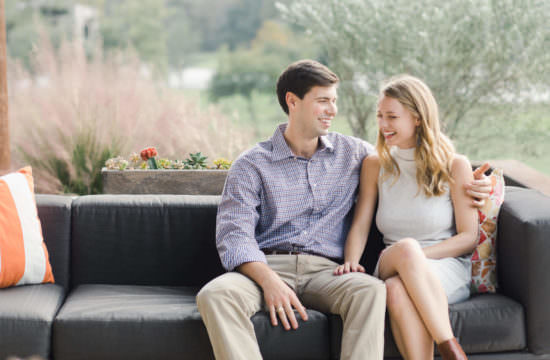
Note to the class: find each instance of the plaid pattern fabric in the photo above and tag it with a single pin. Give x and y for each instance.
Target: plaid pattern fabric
(275, 200)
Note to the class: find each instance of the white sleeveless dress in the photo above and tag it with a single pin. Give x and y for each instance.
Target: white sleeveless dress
(404, 211)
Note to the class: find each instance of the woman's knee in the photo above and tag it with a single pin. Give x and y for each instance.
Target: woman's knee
(410, 252)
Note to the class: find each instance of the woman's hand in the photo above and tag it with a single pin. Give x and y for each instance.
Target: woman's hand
(480, 188)
(348, 267)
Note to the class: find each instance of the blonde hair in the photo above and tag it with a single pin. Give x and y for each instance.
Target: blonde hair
(434, 151)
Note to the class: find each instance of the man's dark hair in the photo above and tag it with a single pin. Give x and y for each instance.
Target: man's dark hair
(300, 77)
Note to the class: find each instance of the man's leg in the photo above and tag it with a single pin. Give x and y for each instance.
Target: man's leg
(358, 298)
(226, 305)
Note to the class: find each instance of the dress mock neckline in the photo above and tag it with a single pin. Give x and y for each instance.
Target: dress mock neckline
(404, 154)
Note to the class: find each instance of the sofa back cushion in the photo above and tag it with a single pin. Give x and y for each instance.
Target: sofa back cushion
(144, 240)
(54, 212)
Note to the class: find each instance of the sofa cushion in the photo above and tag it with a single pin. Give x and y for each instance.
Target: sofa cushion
(309, 341)
(484, 323)
(144, 240)
(130, 322)
(26, 317)
(154, 322)
(489, 323)
(54, 212)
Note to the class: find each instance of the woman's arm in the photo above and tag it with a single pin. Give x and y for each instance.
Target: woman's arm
(466, 218)
(364, 210)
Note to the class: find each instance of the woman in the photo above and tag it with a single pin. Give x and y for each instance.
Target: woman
(428, 223)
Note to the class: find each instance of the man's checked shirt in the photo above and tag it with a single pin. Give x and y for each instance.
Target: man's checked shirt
(275, 200)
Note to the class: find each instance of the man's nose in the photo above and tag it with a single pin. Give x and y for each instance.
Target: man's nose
(332, 109)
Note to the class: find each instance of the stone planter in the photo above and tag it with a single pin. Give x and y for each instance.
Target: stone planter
(184, 182)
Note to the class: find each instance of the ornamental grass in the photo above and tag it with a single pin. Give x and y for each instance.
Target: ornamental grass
(70, 112)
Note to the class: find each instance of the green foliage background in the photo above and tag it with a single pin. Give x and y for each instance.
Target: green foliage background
(485, 61)
(479, 57)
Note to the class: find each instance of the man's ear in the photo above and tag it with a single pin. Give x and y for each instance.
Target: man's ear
(291, 100)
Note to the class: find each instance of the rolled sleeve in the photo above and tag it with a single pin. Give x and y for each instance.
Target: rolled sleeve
(238, 215)
(365, 149)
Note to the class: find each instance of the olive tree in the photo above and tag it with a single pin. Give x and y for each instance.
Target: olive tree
(475, 55)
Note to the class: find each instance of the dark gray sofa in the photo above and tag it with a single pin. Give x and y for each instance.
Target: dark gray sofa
(128, 268)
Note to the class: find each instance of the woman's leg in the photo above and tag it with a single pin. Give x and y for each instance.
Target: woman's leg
(410, 333)
(407, 260)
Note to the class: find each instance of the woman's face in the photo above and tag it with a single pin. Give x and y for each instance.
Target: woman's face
(396, 123)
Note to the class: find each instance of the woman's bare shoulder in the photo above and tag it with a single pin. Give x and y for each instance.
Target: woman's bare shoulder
(371, 160)
(370, 167)
(461, 167)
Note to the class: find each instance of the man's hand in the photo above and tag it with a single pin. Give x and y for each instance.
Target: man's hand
(280, 299)
(348, 267)
(480, 188)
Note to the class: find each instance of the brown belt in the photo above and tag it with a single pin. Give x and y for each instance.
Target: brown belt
(292, 252)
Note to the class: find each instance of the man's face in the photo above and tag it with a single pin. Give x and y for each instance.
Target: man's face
(314, 113)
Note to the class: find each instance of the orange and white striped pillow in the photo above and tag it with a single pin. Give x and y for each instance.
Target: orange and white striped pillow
(23, 254)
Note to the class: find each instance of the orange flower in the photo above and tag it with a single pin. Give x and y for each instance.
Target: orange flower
(148, 153)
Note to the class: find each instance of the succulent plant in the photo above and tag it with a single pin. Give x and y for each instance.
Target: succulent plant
(195, 161)
(134, 161)
(178, 165)
(164, 164)
(222, 164)
(117, 163)
(147, 159)
(149, 154)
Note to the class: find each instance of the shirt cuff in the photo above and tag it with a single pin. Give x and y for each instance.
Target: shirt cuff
(233, 258)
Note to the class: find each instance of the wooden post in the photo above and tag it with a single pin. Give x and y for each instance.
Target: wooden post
(4, 124)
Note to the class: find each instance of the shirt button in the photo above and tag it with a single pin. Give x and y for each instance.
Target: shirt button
(314, 185)
(304, 232)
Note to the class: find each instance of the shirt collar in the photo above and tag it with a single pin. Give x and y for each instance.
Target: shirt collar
(326, 144)
(281, 150)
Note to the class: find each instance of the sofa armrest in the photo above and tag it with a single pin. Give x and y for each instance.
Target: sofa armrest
(523, 258)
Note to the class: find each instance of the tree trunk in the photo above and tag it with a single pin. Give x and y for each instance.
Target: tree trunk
(4, 124)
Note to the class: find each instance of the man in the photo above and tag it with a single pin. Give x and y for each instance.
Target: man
(282, 224)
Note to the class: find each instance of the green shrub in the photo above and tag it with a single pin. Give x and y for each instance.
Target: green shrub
(79, 174)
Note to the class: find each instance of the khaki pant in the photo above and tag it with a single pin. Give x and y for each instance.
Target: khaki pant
(227, 303)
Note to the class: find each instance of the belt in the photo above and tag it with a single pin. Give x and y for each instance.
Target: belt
(283, 252)
(292, 252)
